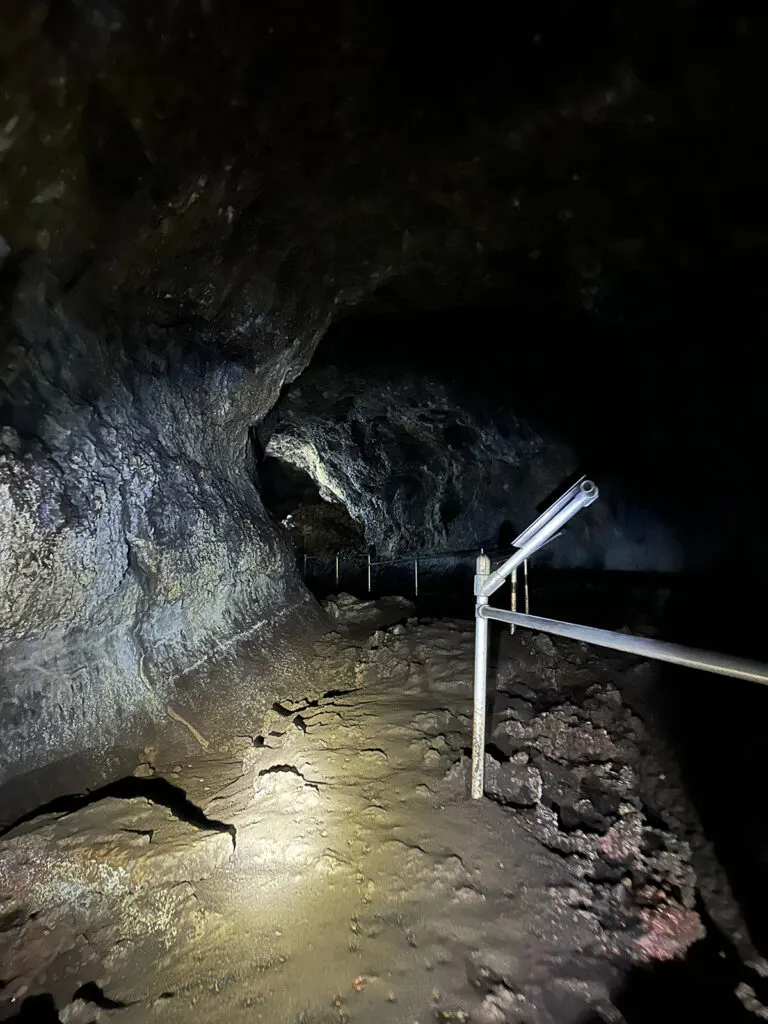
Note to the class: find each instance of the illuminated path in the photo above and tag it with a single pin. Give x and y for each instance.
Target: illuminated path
(338, 871)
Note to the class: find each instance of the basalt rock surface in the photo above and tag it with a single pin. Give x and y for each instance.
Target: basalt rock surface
(423, 469)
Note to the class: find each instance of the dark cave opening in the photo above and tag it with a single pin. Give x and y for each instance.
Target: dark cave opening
(284, 488)
(666, 427)
(315, 526)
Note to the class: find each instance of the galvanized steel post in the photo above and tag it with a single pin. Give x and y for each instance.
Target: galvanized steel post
(483, 568)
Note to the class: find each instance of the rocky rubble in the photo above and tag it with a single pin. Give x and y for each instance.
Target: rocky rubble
(566, 757)
(350, 812)
(580, 749)
(349, 611)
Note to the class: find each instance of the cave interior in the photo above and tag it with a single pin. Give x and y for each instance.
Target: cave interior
(302, 310)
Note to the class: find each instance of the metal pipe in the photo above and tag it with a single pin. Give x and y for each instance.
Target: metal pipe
(337, 570)
(415, 575)
(525, 587)
(483, 567)
(586, 494)
(644, 647)
(550, 513)
(513, 597)
(369, 572)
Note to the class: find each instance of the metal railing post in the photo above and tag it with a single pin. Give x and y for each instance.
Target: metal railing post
(369, 572)
(483, 568)
(513, 597)
(547, 526)
(525, 588)
(337, 570)
(305, 566)
(415, 575)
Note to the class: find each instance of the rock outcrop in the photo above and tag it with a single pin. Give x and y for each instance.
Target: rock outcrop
(426, 471)
(134, 539)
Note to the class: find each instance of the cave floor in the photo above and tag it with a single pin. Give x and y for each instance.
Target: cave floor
(328, 866)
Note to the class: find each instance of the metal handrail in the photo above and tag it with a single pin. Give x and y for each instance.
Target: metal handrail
(365, 559)
(486, 583)
(643, 646)
(360, 554)
(551, 522)
(577, 497)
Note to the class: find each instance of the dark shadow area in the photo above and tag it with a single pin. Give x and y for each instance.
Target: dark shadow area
(285, 487)
(41, 1009)
(38, 1010)
(716, 728)
(700, 987)
(157, 790)
(68, 775)
(93, 993)
(665, 427)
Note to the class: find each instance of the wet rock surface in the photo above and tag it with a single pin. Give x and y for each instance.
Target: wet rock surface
(330, 866)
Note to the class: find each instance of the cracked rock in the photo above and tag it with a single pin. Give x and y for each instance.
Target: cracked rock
(517, 785)
(112, 847)
(351, 611)
(544, 646)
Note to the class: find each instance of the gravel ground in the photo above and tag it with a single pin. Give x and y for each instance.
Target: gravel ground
(329, 867)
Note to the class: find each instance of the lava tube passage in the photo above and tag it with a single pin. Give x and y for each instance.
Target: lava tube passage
(382, 558)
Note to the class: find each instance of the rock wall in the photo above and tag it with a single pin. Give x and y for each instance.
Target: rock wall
(133, 538)
(424, 469)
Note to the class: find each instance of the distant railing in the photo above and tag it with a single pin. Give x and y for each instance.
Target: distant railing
(365, 562)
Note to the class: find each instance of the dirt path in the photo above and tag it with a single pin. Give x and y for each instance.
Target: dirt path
(338, 872)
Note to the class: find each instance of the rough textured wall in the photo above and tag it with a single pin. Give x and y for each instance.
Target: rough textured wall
(133, 538)
(188, 195)
(426, 470)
